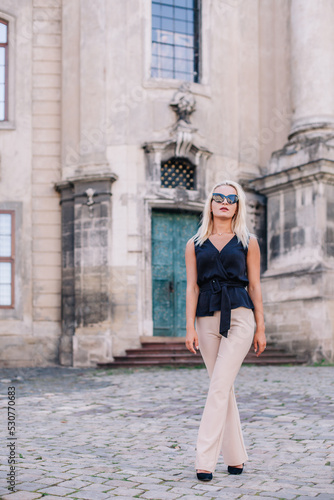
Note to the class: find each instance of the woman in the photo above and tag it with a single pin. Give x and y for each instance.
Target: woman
(221, 260)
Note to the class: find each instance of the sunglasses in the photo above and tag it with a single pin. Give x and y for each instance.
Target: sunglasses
(219, 198)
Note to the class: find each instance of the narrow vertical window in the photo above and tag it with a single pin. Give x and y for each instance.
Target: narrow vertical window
(175, 39)
(3, 70)
(7, 259)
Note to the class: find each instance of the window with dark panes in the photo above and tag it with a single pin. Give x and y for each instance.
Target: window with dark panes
(178, 172)
(7, 259)
(175, 39)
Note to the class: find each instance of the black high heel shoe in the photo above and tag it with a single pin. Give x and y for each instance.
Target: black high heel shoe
(235, 470)
(204, 476)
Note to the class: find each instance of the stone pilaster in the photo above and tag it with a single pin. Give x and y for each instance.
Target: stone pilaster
(85, 187)
(84, 102)
(86, 294)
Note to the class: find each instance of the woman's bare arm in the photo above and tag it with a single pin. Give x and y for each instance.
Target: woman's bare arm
(254, 290)
(191, 296)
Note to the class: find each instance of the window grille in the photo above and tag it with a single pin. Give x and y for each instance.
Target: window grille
(178, 172)
(175, 39)
(3, 70)
(6, 259)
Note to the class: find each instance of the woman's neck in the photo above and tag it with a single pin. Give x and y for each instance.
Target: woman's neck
(222, 227)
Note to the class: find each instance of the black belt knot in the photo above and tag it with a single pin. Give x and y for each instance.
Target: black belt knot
(220, 286)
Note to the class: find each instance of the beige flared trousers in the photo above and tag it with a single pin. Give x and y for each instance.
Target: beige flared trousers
(220, 428)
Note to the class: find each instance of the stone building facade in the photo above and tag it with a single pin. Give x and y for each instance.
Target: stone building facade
(89, 137)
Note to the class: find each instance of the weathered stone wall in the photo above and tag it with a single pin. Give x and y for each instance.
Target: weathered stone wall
(86, 291)
(329, 237)
(301, 325)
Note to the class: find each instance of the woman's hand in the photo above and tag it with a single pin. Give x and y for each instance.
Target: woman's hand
(259, 342)
(191, 297)
(192, 340)
(254, 290)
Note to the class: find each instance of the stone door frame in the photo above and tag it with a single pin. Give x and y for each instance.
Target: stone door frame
(156, 197)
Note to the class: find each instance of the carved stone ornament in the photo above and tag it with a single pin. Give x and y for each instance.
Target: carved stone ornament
(184, 104)
(90, 193)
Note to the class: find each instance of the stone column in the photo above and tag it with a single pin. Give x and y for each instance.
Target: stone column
(312, 66)
(298, 284)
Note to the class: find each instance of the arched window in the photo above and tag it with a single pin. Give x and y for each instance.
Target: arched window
(3, 70)
(178, 172)
(175, 39)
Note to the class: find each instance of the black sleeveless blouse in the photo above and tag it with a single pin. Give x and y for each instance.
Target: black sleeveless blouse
(222, 278)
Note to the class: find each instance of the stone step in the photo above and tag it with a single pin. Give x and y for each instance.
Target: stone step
(157, 349)
(191, 362)
(151, 362)
(274, 360)
(176, 354)
(160, 357)
(182, 354)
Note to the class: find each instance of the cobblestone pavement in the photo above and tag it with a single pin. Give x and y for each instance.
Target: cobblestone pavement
(100, 434)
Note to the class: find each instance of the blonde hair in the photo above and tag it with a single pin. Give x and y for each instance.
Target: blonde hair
(239, 226)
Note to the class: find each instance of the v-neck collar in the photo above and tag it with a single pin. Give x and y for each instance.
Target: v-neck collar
(220, 251)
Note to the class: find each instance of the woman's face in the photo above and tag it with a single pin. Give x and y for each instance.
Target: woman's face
(224, 210)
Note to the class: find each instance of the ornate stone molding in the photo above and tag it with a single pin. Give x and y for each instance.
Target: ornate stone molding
(322, 169)
(73, 189)
(158, 152)
(301, 152)
(180, 143)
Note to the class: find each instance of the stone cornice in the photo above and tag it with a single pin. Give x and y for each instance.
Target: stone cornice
(299, 271)
(161, 146)
(64, 184)
(318, 170)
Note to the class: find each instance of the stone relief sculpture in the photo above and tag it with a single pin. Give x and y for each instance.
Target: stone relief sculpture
(183, 104)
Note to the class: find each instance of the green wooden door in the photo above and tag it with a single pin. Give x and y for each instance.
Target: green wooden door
(170, 233)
